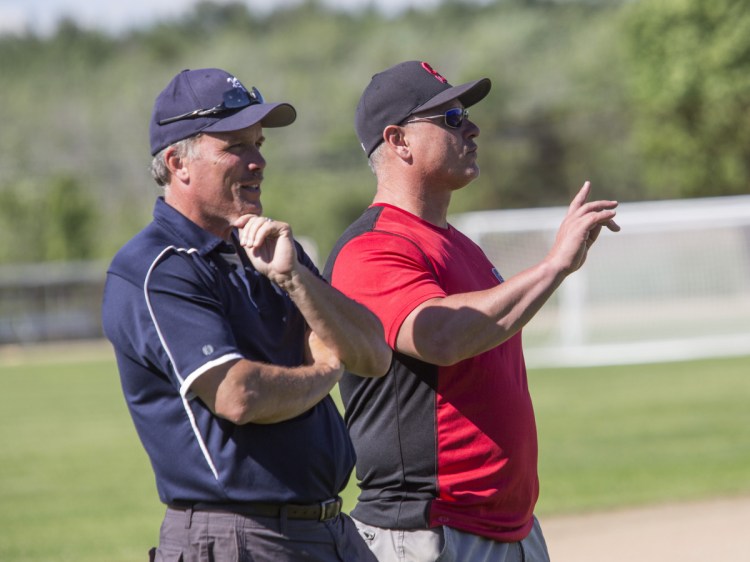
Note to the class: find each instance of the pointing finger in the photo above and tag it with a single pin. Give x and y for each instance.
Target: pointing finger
(580, 197)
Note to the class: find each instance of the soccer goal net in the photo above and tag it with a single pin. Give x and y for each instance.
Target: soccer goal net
(673, 284)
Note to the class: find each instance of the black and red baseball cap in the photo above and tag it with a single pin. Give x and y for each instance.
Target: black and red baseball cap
(402, 90)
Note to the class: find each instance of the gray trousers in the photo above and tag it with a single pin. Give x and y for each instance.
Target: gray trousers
(201, 536)
(444, 544)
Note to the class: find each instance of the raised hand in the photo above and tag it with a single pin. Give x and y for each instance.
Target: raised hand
(580, 229)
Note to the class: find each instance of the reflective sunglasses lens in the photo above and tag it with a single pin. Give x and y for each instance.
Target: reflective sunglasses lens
(236, 97)
(255, 94)
(240, 97)
(454, 117)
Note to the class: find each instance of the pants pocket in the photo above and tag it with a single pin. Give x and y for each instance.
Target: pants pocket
(166, 553)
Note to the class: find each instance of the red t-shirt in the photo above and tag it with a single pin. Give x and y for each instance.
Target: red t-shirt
(453, 445)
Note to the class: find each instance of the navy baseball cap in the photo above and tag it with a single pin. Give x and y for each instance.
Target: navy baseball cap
(210, 100)
(401, 90)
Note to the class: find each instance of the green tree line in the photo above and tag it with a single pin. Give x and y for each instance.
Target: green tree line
(648, 100)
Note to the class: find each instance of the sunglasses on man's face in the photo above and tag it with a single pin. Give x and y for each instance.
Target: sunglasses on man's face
(236, 98)
(454, 117)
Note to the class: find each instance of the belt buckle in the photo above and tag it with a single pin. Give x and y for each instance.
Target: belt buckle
(325, 505)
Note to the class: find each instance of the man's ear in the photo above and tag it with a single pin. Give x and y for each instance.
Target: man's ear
(176, 164)
(395, 138)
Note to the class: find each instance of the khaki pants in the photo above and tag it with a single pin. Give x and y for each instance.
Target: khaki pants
(444, 544)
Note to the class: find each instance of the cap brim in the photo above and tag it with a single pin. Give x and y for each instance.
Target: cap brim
(267, 114)
(468, 94)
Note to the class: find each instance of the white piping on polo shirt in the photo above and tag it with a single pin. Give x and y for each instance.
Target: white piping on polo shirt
(185, 383)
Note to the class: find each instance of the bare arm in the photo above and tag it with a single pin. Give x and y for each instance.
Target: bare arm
(353, 332)
(447, 330)
(246, 391)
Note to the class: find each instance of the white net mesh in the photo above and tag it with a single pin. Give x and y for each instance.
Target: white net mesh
(673, 284)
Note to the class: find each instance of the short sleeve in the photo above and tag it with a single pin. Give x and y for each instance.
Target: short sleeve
(188, 317)
(388, 274)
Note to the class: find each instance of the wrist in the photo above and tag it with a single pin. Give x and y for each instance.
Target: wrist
(288, 282)
(553, 269)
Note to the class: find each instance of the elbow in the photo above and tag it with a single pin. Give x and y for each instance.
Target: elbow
(444, 358)
(240, 409)
(382, 361)
(234, 393)
(376, 364)
(442, 349)
(372, 357)
(234, 413)
(242, 416)
(381, 354)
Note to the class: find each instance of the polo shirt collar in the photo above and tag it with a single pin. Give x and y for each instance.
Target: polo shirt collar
(190, 234)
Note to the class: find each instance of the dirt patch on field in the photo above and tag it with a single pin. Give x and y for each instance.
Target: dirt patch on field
(684, 532)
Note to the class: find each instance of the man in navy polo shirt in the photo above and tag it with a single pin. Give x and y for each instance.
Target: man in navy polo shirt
(228, 342)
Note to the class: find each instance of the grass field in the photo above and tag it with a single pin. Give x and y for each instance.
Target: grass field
(75, 484)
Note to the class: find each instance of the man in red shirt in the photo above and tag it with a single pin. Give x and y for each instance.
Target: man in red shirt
(446, 441)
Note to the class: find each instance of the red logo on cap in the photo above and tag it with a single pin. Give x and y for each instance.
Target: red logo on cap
(434, 72)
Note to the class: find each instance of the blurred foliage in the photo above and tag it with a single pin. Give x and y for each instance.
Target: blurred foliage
(54, 222)
(690, 64)
(646, 100)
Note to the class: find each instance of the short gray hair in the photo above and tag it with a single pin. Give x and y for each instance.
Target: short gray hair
(186, 148)
(376, 158)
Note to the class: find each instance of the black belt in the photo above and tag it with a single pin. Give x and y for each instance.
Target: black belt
(322, 511)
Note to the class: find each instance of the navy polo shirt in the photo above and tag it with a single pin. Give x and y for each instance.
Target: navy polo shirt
(174, 308)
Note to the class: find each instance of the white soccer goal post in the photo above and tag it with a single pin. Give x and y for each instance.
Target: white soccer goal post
(673, 284)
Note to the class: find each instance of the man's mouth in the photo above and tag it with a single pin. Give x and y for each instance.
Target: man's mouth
(254, 187)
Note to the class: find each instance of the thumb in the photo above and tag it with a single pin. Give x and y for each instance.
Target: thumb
(242, 221)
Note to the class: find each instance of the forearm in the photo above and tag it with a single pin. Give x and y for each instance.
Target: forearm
(448, 330)
(445, 331)
(353, 332)
(252, 392)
